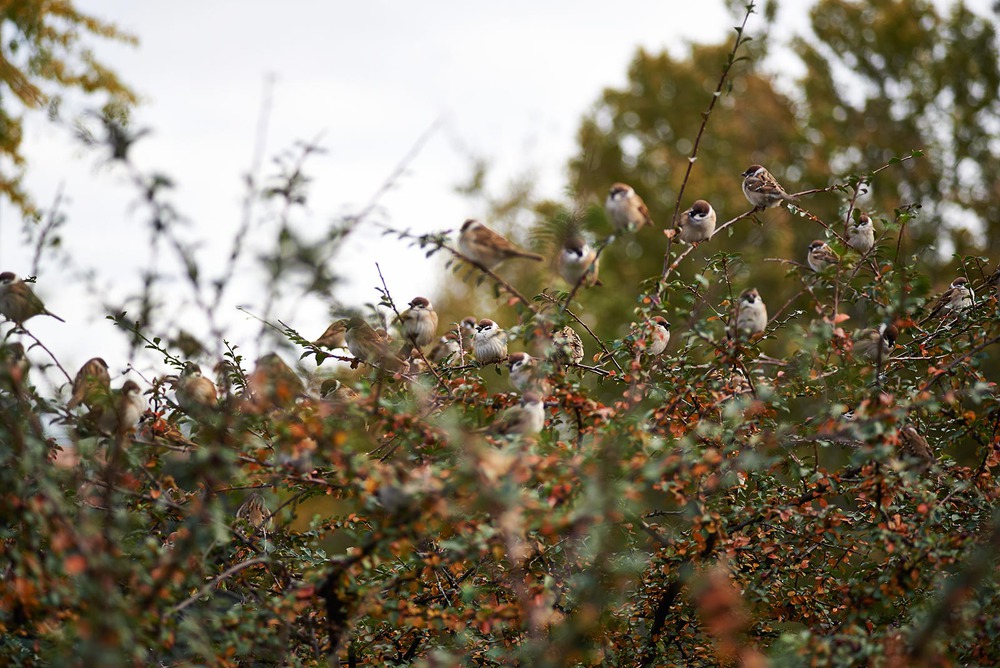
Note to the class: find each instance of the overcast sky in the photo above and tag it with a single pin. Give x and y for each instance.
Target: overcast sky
(508, 82)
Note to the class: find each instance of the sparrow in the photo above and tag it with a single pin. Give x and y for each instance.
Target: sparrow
(194, 391)
(14, 366)
(332, 389)
(91, 385)
(126, 408)
(525, 419)
(821, 256)
(486, 248)
(697, 224)
(371, 347)
(567, 347)
(627, 211)
(333, 336)
(419, 323)
(861, 234)
(878, 343)
(914, 446)
(655, 336)
(578, 263)
(468, 330)
(761, 189)
(273, 384)
(254, 510)
(749, 316)
(446, 348)
(994, 280)
(490, 343)
(18, 302)
(958, 297)
(525, 375)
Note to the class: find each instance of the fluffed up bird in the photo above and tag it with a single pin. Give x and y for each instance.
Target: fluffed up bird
(194, 391)
(821, 255)
(92, 384)
(861, 234)
(490, 343)
(447, 348)
(273, 384)
(876, 344)
(333, 337)
(126, 409)
(18, 302)
(578, 263)
(914, 446)
(526, 376)
(419, 324)
(467, 328)
(486, 248)
(371, 347)
(14, 366)
(254, 510)
(762, 190)
(697, 224)
(525, 419)
(567, 346)
(650, 338)
(627, 211)
(953, 301)
(749, 315)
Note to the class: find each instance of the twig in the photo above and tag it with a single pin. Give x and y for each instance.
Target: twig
(692, 247)
(45, 348)
(577, 319)
(210, 585)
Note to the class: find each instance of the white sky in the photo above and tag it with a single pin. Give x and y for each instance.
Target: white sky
(510, 82)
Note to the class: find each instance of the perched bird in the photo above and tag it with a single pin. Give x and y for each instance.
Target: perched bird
(194, 391)
(821, 255)
(91, 385)
(419, 323)
(654, 335)
(914, 446)
(273, 384)
(18, 302)
(333, 336)
(525, 375)
(124, 412)
(485, 247)
(957, 298)
(567, 346)
(446, 348)
(878, 343)
(332, 389)
(627, 211)
(994, 280)
(749, 315)
(254, 510)
(761, 189)
(490, 343)
(14, 366)
(371, 347)
(525, 419)
(578, 263)
(697, 224)
(861, 234)
(467, 328)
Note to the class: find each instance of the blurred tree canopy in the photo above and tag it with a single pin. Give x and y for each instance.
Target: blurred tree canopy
(44, 55)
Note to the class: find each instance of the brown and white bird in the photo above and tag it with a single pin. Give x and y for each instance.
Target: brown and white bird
(254, 510)
(578, 263)
(761, 189)
(194, 391)
(878, 343)
(821, 255)
(655, 336)
(490, 343)
(333, 337)
(124, 412)
(92, 384)
(914, 446)
(14, 366)
(861, 234)
(525, 419)
(334, 391)
(467, 328)
(526, 376)
(18, 302)
(371, 347)
(749, 316)
(953, 301)
(697, 224)
(627, 211)
(447, 348)
(487, 248)
(273, 384)
(567, 346)
(419, 323)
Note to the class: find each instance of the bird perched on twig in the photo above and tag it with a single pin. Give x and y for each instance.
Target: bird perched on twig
(526, 376)
(490, 343)
(762, 190)
(14, 366)
(821, 255)
(650, 338)
(578, 263)
(878, 343)
(122, 414)
(447, 348)
(486, 248)
(18, 302)
(371, 347)
(467, 328)
(254, 510)
(525, 419)
(953, 301)
(333, 336)
(419, 324)
(915, 446)
(861, 234)
(567, 346)
(749, 315)
(627, 211)
(697, 224)
(194, 391)
(91, 385)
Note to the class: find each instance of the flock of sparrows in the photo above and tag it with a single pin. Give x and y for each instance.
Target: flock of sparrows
(274, 384)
